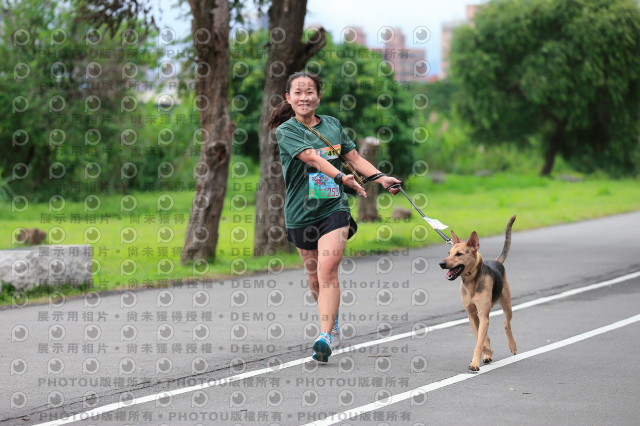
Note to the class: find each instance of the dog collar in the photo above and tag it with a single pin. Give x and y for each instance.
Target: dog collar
(475, 267)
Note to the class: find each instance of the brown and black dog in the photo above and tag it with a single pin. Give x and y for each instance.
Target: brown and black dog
(483, 284)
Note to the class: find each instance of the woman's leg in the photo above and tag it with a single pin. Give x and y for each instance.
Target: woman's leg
(310, 260)
(330, 251)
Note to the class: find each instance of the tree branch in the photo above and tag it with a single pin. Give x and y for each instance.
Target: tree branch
(315, 44)
(115, 13)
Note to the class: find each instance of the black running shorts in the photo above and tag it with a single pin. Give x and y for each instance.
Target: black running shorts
(307, 238)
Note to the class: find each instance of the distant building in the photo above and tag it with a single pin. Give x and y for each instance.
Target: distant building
(354, 35)
(447, 33)
(409, 65)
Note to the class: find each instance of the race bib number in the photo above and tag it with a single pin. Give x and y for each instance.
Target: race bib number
(322, 186)
(329, 154)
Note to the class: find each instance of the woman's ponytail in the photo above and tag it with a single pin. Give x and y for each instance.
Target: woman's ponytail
(281, 113)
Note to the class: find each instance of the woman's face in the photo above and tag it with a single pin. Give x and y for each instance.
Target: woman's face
(303, 96)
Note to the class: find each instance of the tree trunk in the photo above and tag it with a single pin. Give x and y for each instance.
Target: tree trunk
(552, 149)
(368, 207)
(287, 54)
(210, 31)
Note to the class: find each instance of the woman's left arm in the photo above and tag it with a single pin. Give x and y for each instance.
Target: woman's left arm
(365, 168)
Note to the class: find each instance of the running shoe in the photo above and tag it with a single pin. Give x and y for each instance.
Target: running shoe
(322, 347)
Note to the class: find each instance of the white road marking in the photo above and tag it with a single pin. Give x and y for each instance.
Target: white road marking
(420, 391)
(151, 398)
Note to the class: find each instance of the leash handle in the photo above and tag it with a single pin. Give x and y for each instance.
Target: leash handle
(399, 186)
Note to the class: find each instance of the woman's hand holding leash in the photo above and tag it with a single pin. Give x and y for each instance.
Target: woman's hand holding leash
(391, 184)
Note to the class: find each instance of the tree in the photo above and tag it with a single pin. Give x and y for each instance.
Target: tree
(286, 54)
(60, 101)
(564, 71)
(210, 36)
(210, 32)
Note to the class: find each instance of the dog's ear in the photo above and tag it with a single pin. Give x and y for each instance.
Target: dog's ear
(454, 238)
(473, 242)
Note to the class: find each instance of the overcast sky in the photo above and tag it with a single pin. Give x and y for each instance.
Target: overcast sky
(371, 16)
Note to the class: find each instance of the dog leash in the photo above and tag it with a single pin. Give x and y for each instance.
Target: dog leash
(434, 223)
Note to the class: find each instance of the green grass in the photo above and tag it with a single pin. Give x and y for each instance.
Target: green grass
(465, 203)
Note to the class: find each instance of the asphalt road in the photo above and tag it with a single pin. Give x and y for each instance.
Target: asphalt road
(237, 351)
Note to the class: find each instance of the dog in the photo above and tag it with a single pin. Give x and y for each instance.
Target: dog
(483, 284)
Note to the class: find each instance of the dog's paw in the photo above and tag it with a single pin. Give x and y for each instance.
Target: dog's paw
(474, 367)
(487, 359)
(513, 348)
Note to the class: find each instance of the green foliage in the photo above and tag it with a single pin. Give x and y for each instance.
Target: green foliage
(61, 101)
(440, 94)
(9, 295)
(564, 72)
(167, 147)
(6, 193)
(248, 59)
(452, 146)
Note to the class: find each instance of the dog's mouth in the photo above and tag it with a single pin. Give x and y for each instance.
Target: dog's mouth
(454, 273)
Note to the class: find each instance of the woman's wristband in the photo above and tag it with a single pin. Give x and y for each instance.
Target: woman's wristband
(374, 177)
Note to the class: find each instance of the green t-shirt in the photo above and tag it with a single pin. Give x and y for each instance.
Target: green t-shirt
(311, 195)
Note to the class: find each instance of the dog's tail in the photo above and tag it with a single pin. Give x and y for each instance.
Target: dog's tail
(507, 240)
